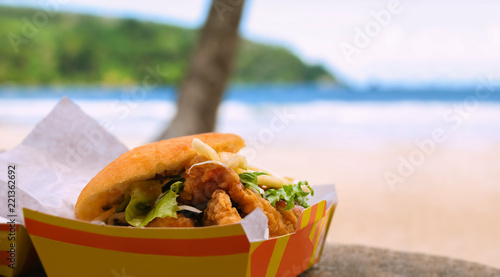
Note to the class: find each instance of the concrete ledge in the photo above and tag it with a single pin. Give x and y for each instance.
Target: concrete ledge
(355, 260)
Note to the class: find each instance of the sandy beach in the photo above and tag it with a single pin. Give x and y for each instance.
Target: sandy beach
(448, 206)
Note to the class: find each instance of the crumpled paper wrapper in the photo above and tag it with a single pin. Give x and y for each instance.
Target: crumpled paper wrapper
(56, 160)
(65, 150)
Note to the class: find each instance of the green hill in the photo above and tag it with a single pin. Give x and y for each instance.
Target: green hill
(63, 48)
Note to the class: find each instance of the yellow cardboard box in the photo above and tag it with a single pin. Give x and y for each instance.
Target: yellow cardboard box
(17, 254)
(76, 248)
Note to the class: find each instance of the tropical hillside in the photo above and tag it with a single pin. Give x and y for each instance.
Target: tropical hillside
(68, 48)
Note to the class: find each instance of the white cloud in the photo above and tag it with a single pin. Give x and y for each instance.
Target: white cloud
(427, 40)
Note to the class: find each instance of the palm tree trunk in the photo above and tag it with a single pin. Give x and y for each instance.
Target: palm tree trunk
(209, 71)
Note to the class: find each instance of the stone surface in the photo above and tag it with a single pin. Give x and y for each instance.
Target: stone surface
(359, 261)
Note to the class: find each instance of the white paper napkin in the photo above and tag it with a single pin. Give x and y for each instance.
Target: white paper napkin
(56, 160)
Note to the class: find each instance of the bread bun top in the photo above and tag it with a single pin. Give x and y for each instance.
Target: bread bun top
(143, 163)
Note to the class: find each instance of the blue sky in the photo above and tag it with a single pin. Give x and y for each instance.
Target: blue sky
(364, 41)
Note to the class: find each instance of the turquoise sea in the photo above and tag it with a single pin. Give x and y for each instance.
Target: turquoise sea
(284, 114)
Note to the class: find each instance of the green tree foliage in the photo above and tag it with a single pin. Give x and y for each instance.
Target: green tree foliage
(38, 47)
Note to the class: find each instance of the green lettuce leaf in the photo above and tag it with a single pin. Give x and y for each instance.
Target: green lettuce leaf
(171, 180)
(143, 195)
(166, 205)
(249, 179)
(290, 194)
(124, 204)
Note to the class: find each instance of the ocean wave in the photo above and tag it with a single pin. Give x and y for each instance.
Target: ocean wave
(319, 121)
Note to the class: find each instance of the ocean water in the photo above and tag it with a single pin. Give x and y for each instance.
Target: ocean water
(317, 115)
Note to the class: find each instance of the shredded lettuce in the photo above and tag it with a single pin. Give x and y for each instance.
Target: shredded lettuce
(249, 179)
(291, 194)
(141, 210)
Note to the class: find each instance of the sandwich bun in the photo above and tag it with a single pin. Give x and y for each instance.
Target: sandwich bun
(166, 157)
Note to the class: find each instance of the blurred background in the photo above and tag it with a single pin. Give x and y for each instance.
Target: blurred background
(395, 102)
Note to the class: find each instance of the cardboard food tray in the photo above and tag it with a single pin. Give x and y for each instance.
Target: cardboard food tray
(19, 259)
(75, 248)
(57, 160)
